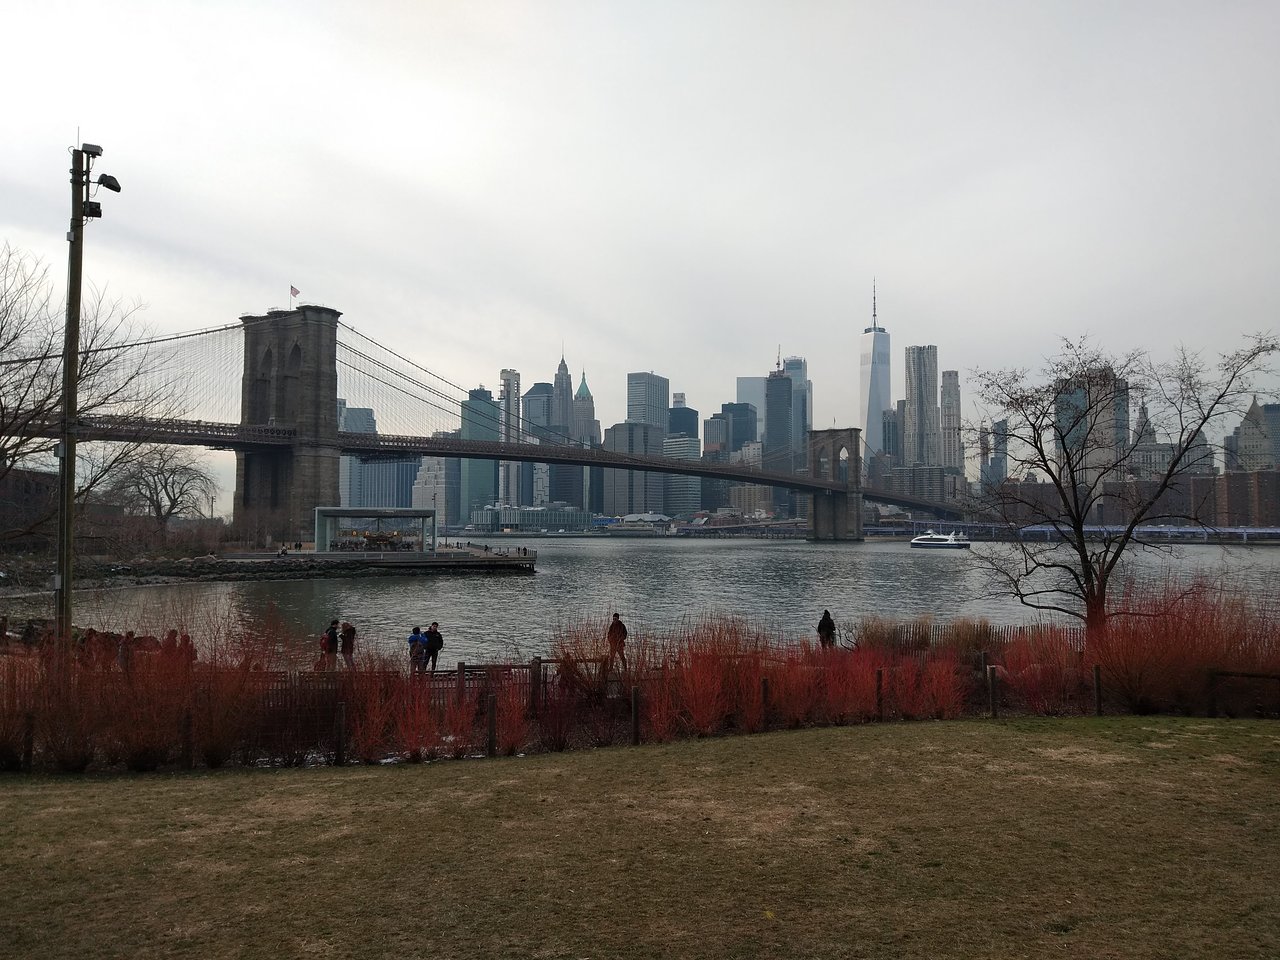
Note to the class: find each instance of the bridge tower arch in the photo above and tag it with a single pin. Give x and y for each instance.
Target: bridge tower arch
(834, 455)
(290, 379)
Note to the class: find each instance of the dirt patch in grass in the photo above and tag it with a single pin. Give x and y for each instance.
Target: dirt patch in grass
(1061, 838)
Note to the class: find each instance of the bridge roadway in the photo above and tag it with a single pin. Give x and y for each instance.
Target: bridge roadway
(235, 436)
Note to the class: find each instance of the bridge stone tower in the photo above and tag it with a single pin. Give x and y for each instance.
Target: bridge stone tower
(290, 380)
(835, 455)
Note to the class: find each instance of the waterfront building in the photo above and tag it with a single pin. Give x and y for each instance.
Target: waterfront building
(648, 399)
(949, 413)
(874, 384)
(921, 425)
(552, 518)
(682, 418)
(511, 430)
(480, 420)
(630, 491)
(751, 390)
(682, 495)
(750, 499)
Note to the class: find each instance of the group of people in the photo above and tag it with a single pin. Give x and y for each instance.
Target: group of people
(337, 638)
(424, 648)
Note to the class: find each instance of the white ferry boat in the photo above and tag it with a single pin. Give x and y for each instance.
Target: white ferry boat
(941, 541)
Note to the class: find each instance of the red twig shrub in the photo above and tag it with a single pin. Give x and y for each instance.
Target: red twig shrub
(513, 723)
(416, 721)
(371, 692)
(460, 725)
(147, 704)
(69, 711)
(1042, 672)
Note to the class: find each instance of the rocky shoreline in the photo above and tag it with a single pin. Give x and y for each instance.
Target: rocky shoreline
(28, 577)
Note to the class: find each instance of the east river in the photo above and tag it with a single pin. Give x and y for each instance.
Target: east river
(782, 585)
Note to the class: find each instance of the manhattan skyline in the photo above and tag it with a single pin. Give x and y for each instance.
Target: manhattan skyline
(672, 187)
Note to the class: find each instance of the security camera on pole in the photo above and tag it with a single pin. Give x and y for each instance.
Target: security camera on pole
(83, 208)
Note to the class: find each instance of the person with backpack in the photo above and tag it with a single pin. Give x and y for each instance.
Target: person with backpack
(348, 639)
(417, 650)
(434, 644)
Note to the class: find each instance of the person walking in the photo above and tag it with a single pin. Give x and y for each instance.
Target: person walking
(617, 637)
(434, 644)
(417, 650)
(827, 630)
(348, 640)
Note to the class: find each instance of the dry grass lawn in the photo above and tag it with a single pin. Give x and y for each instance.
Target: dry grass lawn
(1133, 838)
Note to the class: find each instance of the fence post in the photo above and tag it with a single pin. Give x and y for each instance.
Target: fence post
(28, 741)
(880, 694)
(535, 681)
(982, 659)
(188, 747)
(635, 715)
(1097, 689)
(462, 680)
(492, 705)
(993, 691)
(340, 735)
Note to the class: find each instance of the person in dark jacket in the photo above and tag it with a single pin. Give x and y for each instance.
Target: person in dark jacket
(827, 630)
(434, 644)
(617, 637)
(347, 638)
(329, 646)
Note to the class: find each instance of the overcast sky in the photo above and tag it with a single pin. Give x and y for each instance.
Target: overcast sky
(678, 187)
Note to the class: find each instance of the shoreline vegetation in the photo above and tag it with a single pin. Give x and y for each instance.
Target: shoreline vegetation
(106, 701)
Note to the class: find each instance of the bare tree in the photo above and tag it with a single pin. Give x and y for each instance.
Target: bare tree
(163, 482)
(112, 381)
(1077, 467)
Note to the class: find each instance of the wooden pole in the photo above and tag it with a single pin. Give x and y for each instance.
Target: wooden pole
(462, 680)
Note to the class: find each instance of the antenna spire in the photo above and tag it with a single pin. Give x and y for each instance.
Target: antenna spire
(874, 325)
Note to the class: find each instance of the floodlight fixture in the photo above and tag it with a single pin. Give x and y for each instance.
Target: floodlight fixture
(91, 149)
(110, 182)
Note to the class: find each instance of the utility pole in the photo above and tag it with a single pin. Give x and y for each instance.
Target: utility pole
(82, 208)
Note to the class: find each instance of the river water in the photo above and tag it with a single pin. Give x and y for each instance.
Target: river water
(783, 585)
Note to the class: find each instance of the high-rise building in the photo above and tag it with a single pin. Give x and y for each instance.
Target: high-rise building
(921, 427)
(751, 390)
(778, 456)
(439, 484)
(874, 383)
(511, 430)
(682, 495)
(952, 441)
(565, 479)
(1249, 445)
(993, 447)
(536, 405)
(1091, 424)
(586, 431)
(352, 420)
(682, 418)
(715, 436)
(648, 399)
(891, 432)
(631, 491)
(744, 423)
(480, 421)
(797, 368)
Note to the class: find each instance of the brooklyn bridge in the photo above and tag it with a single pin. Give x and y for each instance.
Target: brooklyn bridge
(282, 423)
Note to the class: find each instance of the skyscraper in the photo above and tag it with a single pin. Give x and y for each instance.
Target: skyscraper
(751, 390)
(682, 495)
(952, 442)
(630, 491)
(586, 431)
(480, 420)
(744, 423)
(565, 479)
(511, 430)
(797, 368)
(535, 479)
(778, 456)
(874, 383)
(648, 399)
(921, 427)
(682, 418)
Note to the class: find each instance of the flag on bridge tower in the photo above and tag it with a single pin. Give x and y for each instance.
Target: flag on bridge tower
(293, 291)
